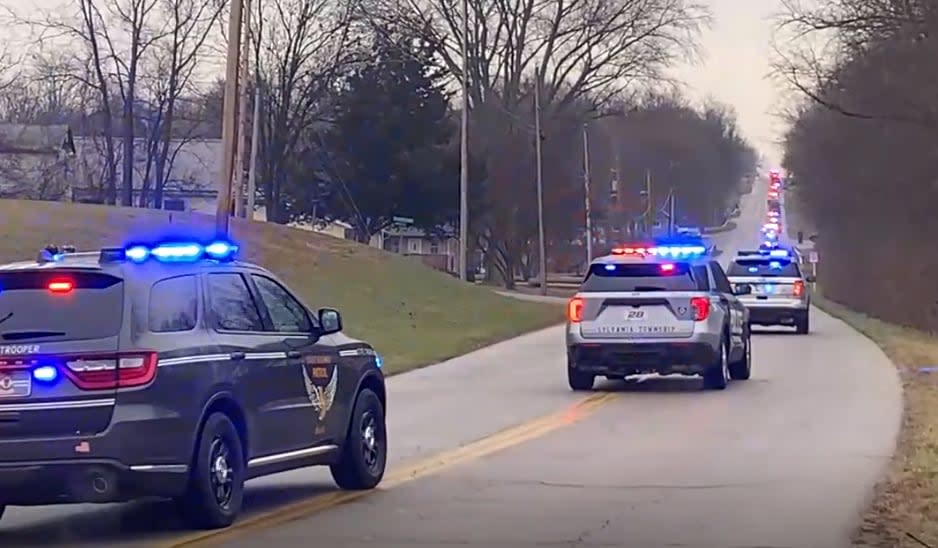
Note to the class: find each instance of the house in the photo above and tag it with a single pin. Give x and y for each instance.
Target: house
(190, 182)
(36, 162)
(441, 251)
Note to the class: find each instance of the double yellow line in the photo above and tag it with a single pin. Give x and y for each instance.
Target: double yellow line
(400, 475)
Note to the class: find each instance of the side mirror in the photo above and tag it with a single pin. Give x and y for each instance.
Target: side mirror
(742, 289)
(810, 279)
(330, 321)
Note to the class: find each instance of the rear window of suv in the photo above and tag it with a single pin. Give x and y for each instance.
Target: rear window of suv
(57, 305)
(641, 277)
(764, 268)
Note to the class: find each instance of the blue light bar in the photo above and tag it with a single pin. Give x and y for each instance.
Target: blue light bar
(678, 251)
(181, 252)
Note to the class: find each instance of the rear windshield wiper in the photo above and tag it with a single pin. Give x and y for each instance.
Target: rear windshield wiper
(21, 335)
(7, 317)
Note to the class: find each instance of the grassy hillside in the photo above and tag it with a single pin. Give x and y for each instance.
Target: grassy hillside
(413, 315)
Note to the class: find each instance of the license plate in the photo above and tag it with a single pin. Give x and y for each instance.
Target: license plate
(635, 315)
(637, 329)
(16, 384)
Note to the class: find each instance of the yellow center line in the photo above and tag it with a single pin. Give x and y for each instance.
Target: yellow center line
(405, 473)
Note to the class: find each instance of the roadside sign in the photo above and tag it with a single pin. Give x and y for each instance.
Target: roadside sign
(812, 257)
(402, 220)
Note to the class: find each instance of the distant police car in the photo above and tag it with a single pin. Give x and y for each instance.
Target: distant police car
(779, 290)
(175, 371)
(659, 308)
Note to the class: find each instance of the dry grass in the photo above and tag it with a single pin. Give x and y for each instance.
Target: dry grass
(412, 314)
(905, 506)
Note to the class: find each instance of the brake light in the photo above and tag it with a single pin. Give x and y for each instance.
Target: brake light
(798, 290)
(61, 286)
(701, 306)
(575, 310)
(667, 267)
(111, 371)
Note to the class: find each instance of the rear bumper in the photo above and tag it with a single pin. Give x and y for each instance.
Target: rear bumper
(93, 480)
(622, 359)
(776, 315)
(143, 453)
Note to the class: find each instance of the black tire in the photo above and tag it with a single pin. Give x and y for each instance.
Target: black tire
(803, 325)
(717, 376)
(364, 453)
(3, 509)
(578, 380)
(213, 499)
(741, 369)
(615, 377)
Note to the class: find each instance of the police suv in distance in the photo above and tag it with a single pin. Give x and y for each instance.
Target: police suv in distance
(663, 308)
(779, 292)
(175, 371)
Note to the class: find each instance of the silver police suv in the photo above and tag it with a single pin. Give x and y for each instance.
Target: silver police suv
(665, 309)
(779, 294)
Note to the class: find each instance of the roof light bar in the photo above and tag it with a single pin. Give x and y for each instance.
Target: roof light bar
(174, 252)
(676, 251)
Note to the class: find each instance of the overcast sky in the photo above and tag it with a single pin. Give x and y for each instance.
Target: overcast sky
(735, 69)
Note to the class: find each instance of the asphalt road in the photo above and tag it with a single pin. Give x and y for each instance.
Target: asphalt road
(784, 459)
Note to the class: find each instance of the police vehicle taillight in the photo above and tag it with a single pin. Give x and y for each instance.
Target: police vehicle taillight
(701, 306)
(111, 371)
(798, 290)
(575, 310)
(61, 286)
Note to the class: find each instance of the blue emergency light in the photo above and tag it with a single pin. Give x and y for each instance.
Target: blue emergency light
(181, 252)
(46, 373)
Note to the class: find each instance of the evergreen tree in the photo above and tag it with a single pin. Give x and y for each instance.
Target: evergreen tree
(391, 145)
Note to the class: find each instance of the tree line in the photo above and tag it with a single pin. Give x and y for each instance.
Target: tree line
(862, 151)
(359, 112)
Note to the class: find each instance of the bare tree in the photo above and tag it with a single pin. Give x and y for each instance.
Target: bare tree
(44, 92)
(169, 76)
(583, 49)
(301, 46)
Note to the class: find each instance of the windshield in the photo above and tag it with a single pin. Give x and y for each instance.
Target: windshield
(764, 268)
(639, 278)
(31, 311)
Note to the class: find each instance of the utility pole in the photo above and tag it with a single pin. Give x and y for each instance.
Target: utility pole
(255, 143)
(650, 213)
(229, 128)
(540, 183)
(241, 150)
(586, 191)
(671, 207)
(464, 152)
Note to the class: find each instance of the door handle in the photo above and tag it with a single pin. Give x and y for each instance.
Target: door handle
(237, 356)
(294, 354)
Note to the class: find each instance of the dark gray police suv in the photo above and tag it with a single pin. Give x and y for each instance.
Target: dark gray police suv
(175, 371)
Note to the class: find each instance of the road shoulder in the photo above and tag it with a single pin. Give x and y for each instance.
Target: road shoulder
(904, 509)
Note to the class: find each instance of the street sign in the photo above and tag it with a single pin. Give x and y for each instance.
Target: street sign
(812, 257)
(403, 220)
